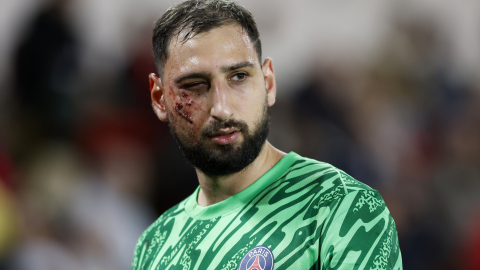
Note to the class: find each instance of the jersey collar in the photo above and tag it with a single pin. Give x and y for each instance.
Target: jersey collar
(240, 199)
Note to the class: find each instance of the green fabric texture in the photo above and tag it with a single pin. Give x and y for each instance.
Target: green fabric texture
(310, 214)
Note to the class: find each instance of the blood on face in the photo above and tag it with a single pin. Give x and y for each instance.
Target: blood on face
(184, 107)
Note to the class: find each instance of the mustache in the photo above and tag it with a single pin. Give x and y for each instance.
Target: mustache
(217, 125)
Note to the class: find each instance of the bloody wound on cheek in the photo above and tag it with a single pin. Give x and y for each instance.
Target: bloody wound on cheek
(181, 107)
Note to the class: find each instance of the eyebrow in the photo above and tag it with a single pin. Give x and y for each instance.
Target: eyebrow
(237, 66)
(207, 75)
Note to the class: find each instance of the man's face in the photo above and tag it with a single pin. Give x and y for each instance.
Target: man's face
(215, 97)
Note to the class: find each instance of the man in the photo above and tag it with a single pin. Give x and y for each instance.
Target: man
(256, 207)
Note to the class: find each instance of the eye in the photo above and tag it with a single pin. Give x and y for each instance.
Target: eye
(239, 77)
(195, 86)
(188, 85)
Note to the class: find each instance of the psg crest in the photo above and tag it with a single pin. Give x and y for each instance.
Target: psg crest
(257, 258)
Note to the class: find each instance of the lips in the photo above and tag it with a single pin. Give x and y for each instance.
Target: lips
(225, 136)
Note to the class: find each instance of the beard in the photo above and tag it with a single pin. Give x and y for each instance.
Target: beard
(214, 159)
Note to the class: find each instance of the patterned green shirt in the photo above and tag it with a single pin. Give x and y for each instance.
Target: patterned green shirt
(301, 214)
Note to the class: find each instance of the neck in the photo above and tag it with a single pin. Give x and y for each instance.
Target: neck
(216, 188)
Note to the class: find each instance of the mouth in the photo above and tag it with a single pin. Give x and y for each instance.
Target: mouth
(225, 136)
(223, 132)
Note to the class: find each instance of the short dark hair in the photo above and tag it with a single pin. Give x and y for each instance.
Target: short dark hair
(196, 16)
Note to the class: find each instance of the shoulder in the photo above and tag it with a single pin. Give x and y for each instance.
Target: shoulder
(322, 189)
(157, 232)
(312, 172)
(162, 221)
(353, 216)
(329, 187)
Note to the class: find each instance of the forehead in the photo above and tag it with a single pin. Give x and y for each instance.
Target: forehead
(220, 46)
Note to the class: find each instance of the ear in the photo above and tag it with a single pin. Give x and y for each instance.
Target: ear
(270, 83)
(157, 94)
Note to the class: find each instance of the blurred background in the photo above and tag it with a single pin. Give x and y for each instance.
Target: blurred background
(388, 91)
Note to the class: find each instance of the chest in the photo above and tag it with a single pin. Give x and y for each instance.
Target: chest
(234, 242)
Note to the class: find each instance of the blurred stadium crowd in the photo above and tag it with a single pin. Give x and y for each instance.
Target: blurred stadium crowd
(85, 166)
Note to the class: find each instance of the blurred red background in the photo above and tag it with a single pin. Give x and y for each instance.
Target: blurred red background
(386, 90)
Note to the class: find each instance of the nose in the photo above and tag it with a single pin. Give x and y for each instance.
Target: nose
(221, 108)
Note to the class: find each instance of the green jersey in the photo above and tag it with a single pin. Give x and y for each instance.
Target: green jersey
(301, 214)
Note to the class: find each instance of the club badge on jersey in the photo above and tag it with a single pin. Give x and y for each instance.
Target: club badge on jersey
(257, 258)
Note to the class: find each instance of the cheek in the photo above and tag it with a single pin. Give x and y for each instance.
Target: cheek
(252, 104)
(184, 106)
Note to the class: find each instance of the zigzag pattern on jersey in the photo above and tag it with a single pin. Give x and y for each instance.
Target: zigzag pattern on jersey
(310, 194)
